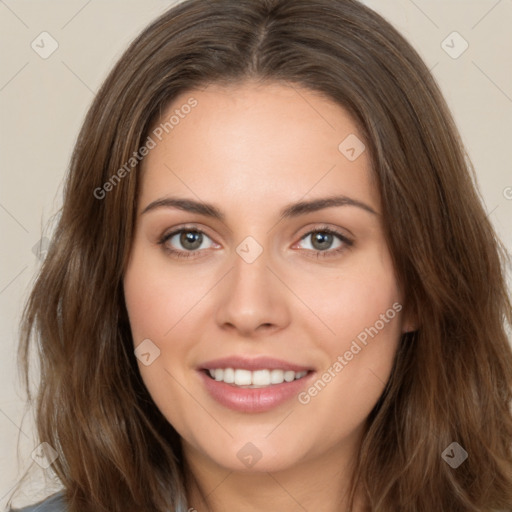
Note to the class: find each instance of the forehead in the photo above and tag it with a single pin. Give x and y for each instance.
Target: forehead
(256, 142)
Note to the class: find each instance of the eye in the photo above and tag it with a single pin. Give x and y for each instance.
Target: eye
(323, 239)
(190, 239)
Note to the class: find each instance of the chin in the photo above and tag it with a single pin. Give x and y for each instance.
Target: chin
(255, 454)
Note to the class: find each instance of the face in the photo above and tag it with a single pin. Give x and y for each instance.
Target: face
(264, 331)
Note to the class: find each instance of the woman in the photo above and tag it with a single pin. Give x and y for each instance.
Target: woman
(334, 336)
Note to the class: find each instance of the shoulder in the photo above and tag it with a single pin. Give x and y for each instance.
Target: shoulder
(54, 503)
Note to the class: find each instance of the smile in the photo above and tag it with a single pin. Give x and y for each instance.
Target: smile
(255, 379)
(253, 385)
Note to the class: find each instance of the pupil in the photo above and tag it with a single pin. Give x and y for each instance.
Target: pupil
(192, 237)
(325, 238)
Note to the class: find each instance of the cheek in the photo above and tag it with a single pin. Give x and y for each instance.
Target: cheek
(352, 298)
(362, 308)
(156, 299)
(157, 304)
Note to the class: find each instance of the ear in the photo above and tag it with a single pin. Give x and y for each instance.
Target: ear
(410, 321)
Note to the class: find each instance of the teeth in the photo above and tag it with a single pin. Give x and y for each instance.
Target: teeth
(289, 376)
(229, 376)
(276, 376)
(261, 378)
(256, 379)
(243, 377)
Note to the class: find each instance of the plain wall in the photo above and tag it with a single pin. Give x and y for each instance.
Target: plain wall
(43, 103)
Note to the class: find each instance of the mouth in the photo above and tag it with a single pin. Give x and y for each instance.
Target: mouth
(254, 385)
(248, 379)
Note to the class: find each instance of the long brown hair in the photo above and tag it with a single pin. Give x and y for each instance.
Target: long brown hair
(452, 377)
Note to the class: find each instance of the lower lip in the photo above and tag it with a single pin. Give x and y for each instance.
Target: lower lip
(253, 399)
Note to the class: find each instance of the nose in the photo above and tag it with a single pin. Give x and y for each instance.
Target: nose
(253, 300)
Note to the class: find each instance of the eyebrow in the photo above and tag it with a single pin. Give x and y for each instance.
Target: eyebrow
(291, 210)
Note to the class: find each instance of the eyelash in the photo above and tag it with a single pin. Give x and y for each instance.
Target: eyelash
(320, 254)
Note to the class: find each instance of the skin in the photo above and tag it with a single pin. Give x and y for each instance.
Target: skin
(250, 149)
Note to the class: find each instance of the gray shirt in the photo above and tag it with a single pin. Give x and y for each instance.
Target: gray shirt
(57, 503)
(54, 503)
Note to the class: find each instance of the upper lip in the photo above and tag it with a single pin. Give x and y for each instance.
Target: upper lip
(256, 363)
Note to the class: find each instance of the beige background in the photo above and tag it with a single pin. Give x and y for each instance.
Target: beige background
(43, 102)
